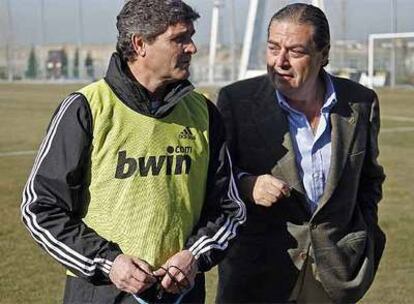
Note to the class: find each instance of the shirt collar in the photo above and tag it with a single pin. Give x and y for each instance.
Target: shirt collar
(329, 100)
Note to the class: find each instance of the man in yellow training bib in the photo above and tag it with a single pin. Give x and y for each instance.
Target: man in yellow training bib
(132, 188)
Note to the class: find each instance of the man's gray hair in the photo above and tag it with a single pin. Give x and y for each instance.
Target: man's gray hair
(148, 19)
(302, 13)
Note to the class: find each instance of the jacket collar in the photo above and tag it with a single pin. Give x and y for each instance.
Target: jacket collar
(135, 96)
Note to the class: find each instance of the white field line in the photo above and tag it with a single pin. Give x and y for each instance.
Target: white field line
(17, 153)
(397, 129)
(398, 118)
(401, 129)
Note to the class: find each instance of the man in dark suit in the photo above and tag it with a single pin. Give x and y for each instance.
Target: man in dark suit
(306, 146)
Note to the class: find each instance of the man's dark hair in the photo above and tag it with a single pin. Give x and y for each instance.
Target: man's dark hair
(302, 13)
(148, 18)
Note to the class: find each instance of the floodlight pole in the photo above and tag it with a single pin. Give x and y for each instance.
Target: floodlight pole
(213, 40)
(248, 37)
(370, 61)
(42, 39)
(393, 30)
(80, 40)
(344, 34)
(9, 45)
(232, 41)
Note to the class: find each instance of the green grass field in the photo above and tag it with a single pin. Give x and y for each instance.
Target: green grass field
(29, 275)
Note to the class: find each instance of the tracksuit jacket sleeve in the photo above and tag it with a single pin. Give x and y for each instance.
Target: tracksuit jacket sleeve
(55, 196)
(223, 211)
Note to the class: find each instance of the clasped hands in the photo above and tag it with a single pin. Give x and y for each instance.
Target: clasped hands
(133, 275)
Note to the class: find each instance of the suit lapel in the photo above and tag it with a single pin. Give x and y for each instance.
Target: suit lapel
(286, 168)
(272, 127)
(343, 121)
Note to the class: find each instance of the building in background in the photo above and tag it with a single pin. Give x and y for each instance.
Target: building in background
(57, 61)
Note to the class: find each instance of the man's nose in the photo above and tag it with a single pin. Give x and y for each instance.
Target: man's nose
(191, 48)
(281, 59)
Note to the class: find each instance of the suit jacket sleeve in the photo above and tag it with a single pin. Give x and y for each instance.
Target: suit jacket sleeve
(223, 211)
(54, 199)
(225, 108)
(372, 175)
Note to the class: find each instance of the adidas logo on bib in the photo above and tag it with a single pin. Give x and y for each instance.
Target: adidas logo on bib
(186, 134)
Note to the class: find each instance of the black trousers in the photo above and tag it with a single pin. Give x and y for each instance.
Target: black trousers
(80, 291)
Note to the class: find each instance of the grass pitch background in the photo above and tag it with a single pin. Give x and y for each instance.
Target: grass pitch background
(29, 275)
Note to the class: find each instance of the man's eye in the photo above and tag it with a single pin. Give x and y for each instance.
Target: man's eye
(273, 49)
(297, 53)
(182, 39)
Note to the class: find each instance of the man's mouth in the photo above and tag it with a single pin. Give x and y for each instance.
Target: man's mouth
(284, 76)
(185, 62)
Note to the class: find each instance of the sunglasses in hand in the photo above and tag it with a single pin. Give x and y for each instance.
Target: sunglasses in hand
(157, 293)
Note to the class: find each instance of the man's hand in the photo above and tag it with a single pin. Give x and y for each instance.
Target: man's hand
(265, 189)
(182, 267)
(131, 274)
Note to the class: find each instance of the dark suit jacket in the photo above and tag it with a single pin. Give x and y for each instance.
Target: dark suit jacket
(343, 232)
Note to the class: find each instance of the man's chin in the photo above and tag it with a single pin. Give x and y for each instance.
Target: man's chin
(184, 75)
(278, 83)
(272, 79)
(181, 74)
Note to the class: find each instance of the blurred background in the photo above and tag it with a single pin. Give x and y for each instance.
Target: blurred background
(49, 48)
(57, 40)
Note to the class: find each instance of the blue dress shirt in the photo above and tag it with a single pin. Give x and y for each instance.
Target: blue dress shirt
(312, 151)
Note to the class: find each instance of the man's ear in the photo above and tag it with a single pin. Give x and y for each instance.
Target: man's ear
(138, 44)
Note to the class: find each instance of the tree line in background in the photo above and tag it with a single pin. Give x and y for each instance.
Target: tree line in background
(57, 65)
